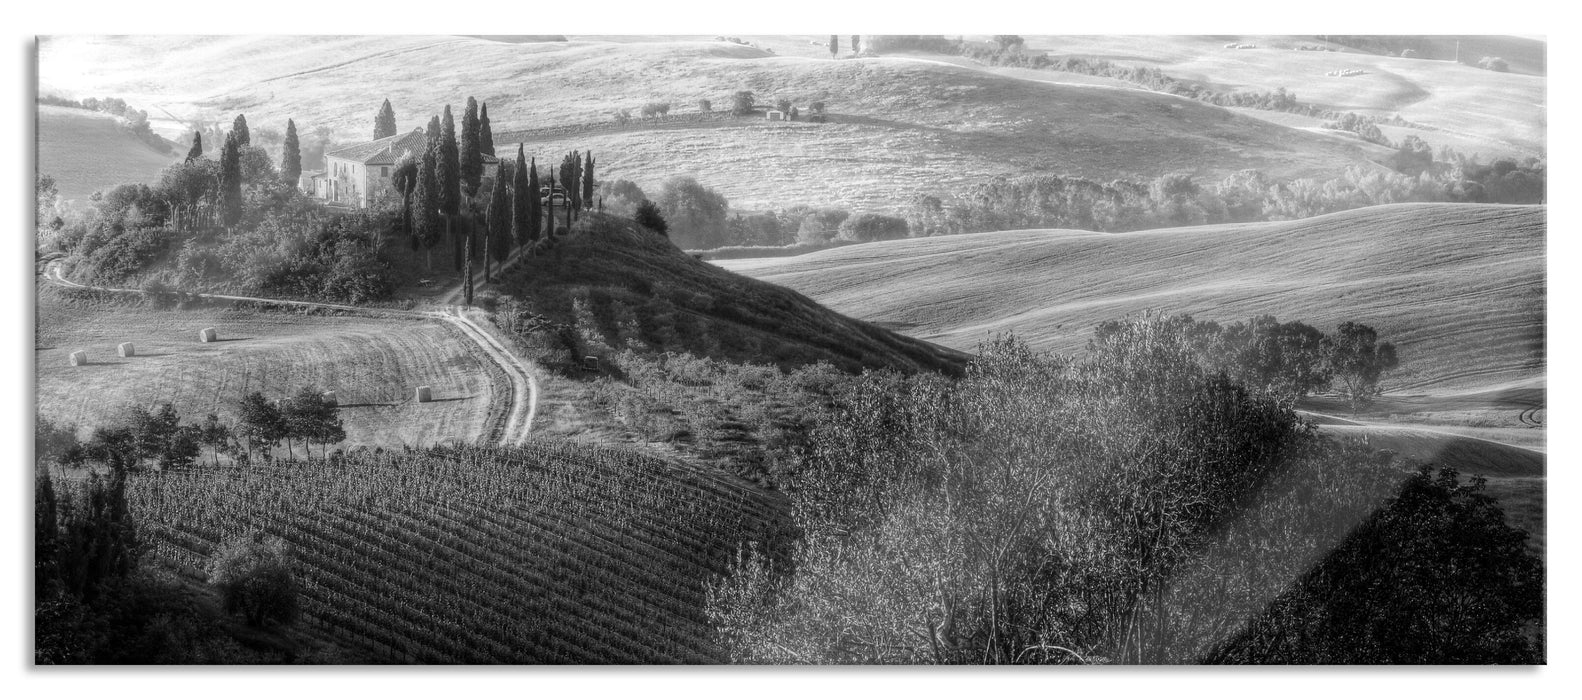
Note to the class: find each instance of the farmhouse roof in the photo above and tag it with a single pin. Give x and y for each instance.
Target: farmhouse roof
(383, 151)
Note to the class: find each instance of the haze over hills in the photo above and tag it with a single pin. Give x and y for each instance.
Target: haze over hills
(87, 151)
(1459, 288)
(899, 126)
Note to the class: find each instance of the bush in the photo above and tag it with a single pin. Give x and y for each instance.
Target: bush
(820, 226)
(1494, 63)
(742, 103)
(253, 575)
(648, 217)
(871, 227)
(705, 106)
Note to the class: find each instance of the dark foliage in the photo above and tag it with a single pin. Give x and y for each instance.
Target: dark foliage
(385, 121)
(648, 216)
(291, 157)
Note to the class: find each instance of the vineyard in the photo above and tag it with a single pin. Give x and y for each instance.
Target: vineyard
(557, 552)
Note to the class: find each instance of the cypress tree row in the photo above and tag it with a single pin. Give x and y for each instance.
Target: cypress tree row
(291, 156)
(471, 158)
(485, 135)
(499, 244)
(239, 127)
(384, 122)
(522, 194)
(231, 180)
(549, 209)
(196, 151)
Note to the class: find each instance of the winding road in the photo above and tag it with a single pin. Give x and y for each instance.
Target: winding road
(524, 387)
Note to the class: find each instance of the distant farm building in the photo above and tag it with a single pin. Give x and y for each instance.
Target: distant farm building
(355, 176)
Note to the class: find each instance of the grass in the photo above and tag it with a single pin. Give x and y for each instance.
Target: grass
(86, 152)
(901, 125)
(1502, 111)
(614, 286)
(373, 365)
(1458, 288)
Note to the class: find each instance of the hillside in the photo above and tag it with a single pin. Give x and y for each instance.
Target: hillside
(1460, 289)
(87, 151)
(1471, 109)
(899, 125)
(615, 286)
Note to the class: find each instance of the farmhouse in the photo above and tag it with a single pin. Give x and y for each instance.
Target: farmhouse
(355, 176)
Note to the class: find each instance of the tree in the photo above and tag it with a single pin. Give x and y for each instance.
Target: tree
(426, 198)
(196, 151)
(522, 195)
(261, 423)
(485, 133)
(311, 419)
(447, 173)
(214, 434)
(704, 105)
(1006, 41)
(649, 217)
(404, 177)
(570, 166)
(586, 196)
(697, 212)
(239, 127)
(471, 156)
(783, 105)
(291, 156)
(871, 227)
(231, 180)
(1356, 360)
(384, 121)
(834, 46)
(742, 103)
(856, 43)
(253, 575)
(535, 203)
(500, 216)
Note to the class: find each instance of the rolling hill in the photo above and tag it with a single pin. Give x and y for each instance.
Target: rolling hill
(87, 151)
(899, 125)
(616, 286)
(1460, 289)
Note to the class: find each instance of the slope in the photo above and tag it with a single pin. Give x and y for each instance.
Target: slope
(899, 126)
(615, 286)
(87, 151)
(1460, 289)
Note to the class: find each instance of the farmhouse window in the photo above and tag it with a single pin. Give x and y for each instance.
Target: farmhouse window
(384, 171)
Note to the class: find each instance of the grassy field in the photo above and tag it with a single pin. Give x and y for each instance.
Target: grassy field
(900, 125)
(373, 365)
(1459, 288)
(1502, 112)
(86, 152)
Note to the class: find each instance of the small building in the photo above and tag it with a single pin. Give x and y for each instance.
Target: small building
(775, 115)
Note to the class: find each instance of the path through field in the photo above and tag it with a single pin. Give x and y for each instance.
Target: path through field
(524, 387)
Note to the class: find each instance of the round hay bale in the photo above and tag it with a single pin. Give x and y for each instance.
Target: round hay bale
(208, 335)
(126, 350)
(329, 398)
(79, 358)
(424, 395)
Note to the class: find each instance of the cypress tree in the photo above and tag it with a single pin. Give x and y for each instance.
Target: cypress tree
(231, 180)
(499, 245)
(834, 46)
(587, 182)
(239, 127)
(196, 151)
(549, 208)
(426, 225)
(535, 202)
(384, 122)
(522, 193)
(471, 157)
(291, 156)
(485, 135)
(447, 172)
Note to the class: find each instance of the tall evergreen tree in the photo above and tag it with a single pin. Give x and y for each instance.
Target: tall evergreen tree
(384, 122)
(499, 245)
(231, 180)
(535, 202)
(471, 157)
(549, 208)
(522, 192)
(239, 127)
(196, 151)
(834, 46)
(291, 156)
(447, 171)
(426, 198)
(485, 134)
(586, 200)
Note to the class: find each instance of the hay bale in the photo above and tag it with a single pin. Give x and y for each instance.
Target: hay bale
(79, 358)
(423, 395)
(125, 350)
(208, 335)
(329, 398)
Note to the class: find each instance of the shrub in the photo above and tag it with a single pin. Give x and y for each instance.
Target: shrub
(742, 103)
(820, 226)
(705, 106)
(783, 105)
(648, 217)
(871, 227)
(1493, 63)
(254, 578)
